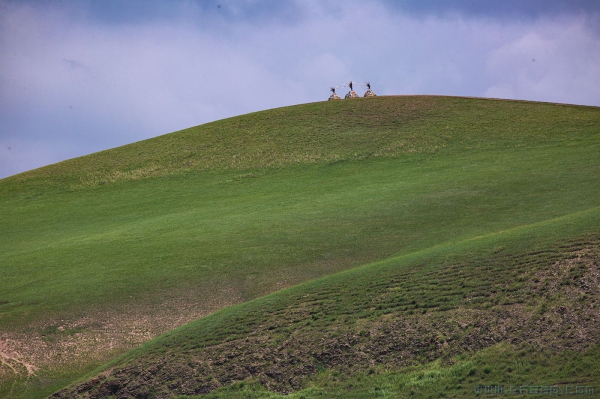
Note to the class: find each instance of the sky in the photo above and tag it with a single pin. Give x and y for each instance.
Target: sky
(81, 76)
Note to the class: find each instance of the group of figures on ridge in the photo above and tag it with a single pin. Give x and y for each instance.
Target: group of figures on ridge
(351, 93)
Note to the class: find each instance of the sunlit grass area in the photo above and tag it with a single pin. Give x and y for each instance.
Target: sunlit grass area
(188, 223)
(513, 308)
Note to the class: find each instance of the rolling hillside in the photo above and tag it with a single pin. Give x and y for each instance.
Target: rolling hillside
(435, 241)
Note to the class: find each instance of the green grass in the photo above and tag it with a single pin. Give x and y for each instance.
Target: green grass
(445, 277)
(230, 211)
(448, 304)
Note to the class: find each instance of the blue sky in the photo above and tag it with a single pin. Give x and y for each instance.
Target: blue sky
(82, 76)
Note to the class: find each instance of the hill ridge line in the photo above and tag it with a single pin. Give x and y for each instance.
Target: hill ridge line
(481, 237)
(386, 260)
(444, 246)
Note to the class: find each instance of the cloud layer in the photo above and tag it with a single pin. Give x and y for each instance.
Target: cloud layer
(79, 77)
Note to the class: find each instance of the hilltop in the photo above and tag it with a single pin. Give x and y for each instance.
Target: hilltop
(432, 215)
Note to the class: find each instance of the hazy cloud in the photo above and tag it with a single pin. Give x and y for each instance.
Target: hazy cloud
(557, 62)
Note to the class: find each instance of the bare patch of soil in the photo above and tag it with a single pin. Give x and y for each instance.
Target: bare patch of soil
(12, 359)
(94, 338)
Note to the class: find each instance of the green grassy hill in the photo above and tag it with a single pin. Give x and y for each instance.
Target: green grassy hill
(477, 222)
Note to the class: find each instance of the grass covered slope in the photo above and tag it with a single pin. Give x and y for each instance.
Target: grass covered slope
(103, 252)
(321, 133)
(514, 308)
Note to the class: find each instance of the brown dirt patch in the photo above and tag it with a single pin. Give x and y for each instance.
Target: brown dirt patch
(93, 338)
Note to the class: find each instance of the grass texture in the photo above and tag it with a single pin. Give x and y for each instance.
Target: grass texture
(230, 211)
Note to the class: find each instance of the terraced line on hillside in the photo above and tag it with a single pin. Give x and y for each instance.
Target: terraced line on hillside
(396, 313)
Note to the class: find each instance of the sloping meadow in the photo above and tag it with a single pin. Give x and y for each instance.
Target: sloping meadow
(101, 253)
(519, 308)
